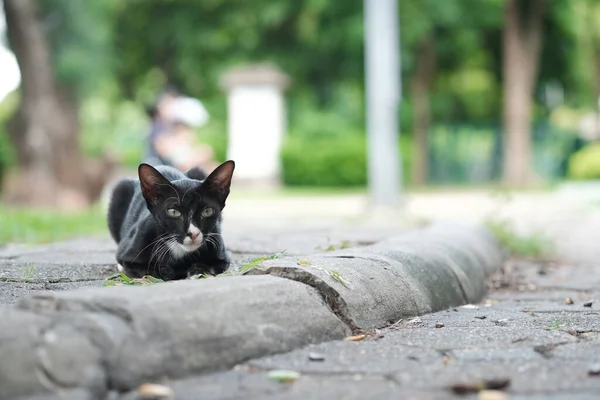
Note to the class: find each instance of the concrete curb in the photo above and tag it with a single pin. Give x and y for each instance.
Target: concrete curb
(417, 273)
(85, 343)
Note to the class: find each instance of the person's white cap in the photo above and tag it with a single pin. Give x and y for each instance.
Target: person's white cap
(189, 111)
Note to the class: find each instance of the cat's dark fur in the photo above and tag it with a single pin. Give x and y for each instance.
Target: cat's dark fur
(163, 224)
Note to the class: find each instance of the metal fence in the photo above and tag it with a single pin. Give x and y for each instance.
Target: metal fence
(467, 153)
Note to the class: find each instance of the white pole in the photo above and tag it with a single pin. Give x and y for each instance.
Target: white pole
(382, 64)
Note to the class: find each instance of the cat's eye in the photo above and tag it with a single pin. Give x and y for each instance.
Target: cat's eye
(171, 212)
(207, 212)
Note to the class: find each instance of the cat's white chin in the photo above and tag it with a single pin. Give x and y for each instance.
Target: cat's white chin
(179, 250)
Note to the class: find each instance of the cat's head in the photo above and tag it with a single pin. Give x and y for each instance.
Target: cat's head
(186, 210)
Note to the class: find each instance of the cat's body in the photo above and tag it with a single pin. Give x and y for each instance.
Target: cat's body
(168, 224)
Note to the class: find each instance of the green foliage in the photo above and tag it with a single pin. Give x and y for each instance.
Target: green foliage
(327, 161)
(116, 55)
(585, 163)
(332, 160)
(80, 37)
(114, 126)
(7, 155)
(45, 226)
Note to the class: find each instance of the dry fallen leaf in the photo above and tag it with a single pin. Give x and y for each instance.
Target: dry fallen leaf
(492, 395)
(568, 301)
(283, 375)
(446, 360)
(477, 386)
(155, 391)
(304, 262)
(356, 338)
(594, 370)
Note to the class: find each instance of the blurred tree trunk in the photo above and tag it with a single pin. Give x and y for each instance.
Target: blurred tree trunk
(522, 45)
(421, 84)
(45, 129)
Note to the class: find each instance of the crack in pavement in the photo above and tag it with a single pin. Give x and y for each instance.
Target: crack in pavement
(49, 281)
(330, 296)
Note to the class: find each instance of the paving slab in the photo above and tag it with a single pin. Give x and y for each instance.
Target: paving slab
(544, 346)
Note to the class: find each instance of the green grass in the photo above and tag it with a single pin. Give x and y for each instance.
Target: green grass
(41, 226)
(345, 244)
(122, 279)
(534, 246)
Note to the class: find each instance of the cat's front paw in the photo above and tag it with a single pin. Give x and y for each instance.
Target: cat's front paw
(217, 268)
(197, 270)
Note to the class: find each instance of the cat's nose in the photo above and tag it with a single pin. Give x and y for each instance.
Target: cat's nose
(193, 235)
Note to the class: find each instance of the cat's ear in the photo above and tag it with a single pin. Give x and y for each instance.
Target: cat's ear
(153, 183)
(196, 173)
(219, 181)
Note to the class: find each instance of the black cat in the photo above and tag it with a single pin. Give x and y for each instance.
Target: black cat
(168, 224)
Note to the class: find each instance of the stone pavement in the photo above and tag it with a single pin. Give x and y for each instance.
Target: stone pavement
(525, 332)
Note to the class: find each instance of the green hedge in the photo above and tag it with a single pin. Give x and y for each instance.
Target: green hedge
(324, 162)
(329, 161)
(585, 163)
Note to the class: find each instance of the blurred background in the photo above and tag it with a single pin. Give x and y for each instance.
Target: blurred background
(498, 96)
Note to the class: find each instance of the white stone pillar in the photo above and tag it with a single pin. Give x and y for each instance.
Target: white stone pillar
(256, 119)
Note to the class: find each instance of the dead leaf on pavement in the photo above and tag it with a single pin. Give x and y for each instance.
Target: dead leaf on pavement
(594, 370)
(477, 386)
(492, 395)
(155, 391)
(356, 338)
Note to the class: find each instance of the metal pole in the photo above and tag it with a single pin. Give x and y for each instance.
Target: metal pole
(382, 64)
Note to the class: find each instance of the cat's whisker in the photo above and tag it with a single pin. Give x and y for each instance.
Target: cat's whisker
(167, 248)
(160, 255)
(161, 248)
(151, 243)
(213, 238)
(209, 239)
(172, 188)
(167, 244)
(186, 192)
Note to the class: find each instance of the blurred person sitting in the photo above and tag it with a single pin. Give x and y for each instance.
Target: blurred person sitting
(172, 140)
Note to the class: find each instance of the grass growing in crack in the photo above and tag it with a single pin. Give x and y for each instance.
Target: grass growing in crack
(244, 268)
(345, 244)
(253, 263)
(336, 276)
(554, 326)
(536, 245)
(28, 270)
(122, 279)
